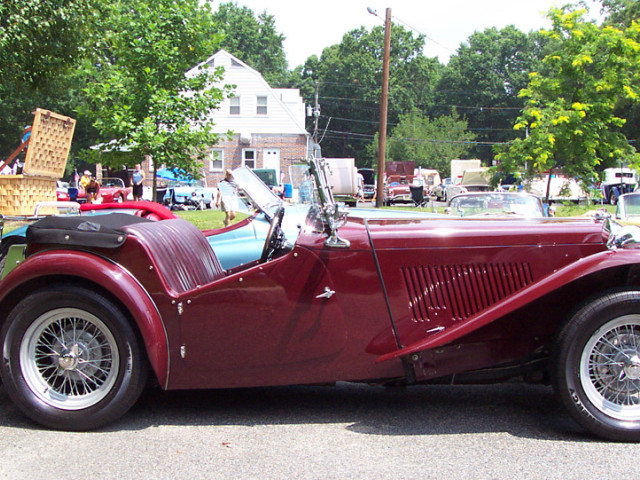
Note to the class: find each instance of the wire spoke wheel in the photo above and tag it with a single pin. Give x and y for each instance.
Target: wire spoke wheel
(610, 368)
(69, 359)
(596, 365)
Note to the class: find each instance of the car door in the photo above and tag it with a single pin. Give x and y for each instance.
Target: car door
(264, 325)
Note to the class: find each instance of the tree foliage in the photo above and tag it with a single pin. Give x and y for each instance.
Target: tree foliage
(430, 143)
(482, 82)
(621, 13)
(40, 43)
(141, 99)
(570, 103)
(254, 40)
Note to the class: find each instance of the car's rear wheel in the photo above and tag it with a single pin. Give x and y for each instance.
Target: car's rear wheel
(71, 360)
(596, 366)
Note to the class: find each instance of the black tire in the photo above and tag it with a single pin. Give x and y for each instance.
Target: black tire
(596, 366)
(6, 243)
(71, 360)
(613, 197)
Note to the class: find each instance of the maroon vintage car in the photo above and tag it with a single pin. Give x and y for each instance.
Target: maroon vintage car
(99, 306)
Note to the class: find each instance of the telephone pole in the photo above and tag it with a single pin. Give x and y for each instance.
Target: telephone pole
(382, 136)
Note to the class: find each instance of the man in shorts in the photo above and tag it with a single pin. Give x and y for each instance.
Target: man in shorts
(227, 199)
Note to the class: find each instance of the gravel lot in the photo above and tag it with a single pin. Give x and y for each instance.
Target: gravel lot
(347, 431)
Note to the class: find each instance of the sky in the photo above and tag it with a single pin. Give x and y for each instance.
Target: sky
(310, 26)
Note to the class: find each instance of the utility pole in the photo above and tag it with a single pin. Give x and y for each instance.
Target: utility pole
(316, 115)
(382, 136)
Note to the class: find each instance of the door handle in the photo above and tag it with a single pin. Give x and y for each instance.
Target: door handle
(328, 293)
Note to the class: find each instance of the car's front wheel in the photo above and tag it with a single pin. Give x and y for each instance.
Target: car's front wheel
(596, 366)
(71, 360)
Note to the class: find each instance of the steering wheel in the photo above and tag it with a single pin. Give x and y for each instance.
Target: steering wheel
(274, 236)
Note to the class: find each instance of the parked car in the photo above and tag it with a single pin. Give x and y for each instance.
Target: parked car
(496, 204)
(369, 176)
(96, 307)
(62, 191)
(472, 180)
(400, 192)
(185, 197)
(112, 190)
(440, 191)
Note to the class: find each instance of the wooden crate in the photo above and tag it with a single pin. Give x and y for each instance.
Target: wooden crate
(45, 161)
(19, 194)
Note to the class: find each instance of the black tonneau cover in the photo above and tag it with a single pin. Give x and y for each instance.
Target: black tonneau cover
(98, 231)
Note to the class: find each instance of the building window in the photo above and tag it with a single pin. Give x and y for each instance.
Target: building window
(234, 106)
(249, 158)
(262, 106)
(216, 160)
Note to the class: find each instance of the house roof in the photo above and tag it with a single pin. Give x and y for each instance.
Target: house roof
(275, 94)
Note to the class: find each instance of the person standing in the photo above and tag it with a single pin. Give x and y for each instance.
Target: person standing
(137, 180)
(227, 200)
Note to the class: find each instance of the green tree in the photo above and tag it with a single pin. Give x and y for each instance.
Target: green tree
(482, 82)
(349, 76)
(40, 44)
(570, 104)
(253, 40)
(621, 13)
(430, 143)
(141, 99)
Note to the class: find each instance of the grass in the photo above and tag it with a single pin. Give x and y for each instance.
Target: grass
(207, 219)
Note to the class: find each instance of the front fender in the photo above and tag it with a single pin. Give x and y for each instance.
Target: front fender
(111, 277)
(570, 273)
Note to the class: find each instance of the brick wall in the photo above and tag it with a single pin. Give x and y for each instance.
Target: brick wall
(293, 148)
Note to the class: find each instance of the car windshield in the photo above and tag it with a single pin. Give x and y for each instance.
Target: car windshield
(256, 194)
(629, 205)
(496, 204)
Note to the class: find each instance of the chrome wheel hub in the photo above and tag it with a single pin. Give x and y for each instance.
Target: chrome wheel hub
(632, 368)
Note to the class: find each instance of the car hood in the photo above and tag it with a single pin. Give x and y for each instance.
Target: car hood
(438, 232)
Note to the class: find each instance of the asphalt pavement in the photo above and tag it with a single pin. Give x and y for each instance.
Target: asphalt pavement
(347, 431)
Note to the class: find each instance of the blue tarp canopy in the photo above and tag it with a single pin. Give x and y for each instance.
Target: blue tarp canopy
(167, 174)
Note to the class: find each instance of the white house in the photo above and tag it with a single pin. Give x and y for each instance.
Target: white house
(268, 124)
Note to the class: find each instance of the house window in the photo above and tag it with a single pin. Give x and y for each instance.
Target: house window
(216, 160)
(262, 105)
(234, 106)
(249, 158)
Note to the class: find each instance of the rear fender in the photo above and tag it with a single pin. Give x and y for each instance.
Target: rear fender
(564, 276)
(112, 278)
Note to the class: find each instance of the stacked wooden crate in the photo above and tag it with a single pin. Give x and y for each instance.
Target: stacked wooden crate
(46, 158)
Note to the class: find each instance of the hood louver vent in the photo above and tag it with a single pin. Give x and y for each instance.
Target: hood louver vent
(455, 292)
